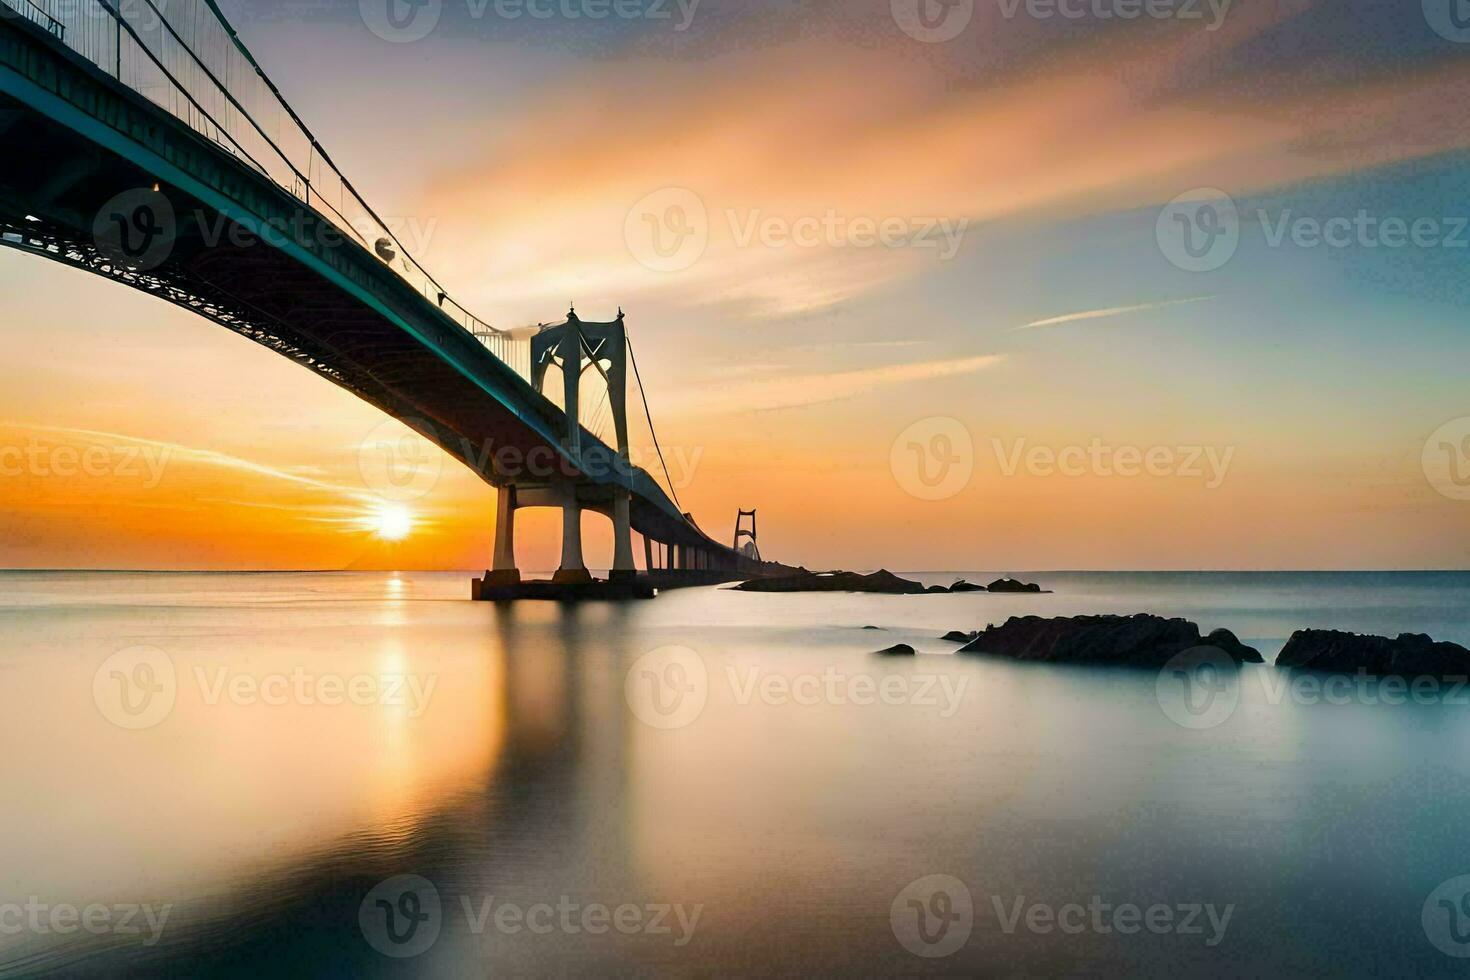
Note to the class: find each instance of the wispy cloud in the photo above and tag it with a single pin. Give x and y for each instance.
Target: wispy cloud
(796, 391)
(173, 451)
(1107, 312)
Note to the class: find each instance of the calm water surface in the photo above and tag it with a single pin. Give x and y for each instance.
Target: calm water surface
(496, 754)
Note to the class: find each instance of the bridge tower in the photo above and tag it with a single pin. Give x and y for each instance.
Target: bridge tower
(575, 347)
(753, 550)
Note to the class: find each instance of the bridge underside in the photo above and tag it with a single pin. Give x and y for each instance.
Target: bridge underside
(253, 258)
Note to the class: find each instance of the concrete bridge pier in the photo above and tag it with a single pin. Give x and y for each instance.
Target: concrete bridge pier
(505, 572)
(573, 569)
(623, 570)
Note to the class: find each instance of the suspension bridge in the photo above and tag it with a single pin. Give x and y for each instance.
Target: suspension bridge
(142, 142)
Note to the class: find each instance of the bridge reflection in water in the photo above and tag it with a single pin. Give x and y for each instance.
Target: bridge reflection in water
(146, 145)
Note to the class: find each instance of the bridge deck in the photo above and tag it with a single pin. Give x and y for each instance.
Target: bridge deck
(256, 259)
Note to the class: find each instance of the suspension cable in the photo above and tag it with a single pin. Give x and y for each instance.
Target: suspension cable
(651, 431)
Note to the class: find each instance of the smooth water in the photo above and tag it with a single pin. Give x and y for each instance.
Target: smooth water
(246, 758)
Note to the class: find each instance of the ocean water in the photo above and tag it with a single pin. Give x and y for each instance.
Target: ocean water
(366, 775)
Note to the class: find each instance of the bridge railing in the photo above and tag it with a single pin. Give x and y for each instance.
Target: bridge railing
(31, 11)
(185, 57)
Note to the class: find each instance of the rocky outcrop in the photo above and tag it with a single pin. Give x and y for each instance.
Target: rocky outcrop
(1139, 641)
(1224, 640)
(1411, 655)
(899, 650)
(955, 636)
(881, 581)
(961, 585)
(1012, 585)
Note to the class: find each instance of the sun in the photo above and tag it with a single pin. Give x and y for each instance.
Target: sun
(392, 522)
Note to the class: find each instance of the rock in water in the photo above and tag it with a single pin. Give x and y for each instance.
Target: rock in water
(881, 581)
(962, 586)
(1411, 655)
(1223, 639)
(955, 636)
(900, 650)
(1139, 641)
(1012, 585)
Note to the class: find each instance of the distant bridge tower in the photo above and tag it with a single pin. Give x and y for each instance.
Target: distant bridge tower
(752, 550)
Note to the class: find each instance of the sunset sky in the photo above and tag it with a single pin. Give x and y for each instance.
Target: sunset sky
(512, 153)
